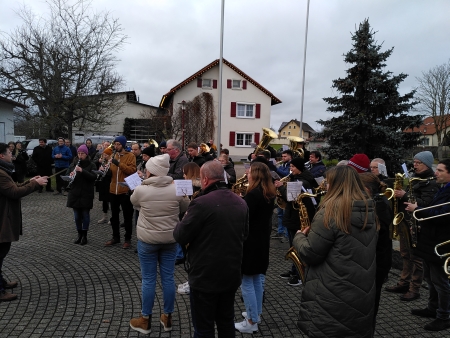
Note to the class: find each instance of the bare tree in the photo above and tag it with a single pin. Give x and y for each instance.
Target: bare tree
(64, 65)
(434, 95)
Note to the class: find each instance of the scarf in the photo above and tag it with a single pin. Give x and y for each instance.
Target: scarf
(7, 166)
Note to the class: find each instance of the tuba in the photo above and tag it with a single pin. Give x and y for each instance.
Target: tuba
(152, 141)
(240, 187)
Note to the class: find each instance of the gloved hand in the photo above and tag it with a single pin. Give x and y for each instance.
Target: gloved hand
(115, 162)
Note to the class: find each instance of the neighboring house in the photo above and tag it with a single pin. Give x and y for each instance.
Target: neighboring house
(7, 118)
(428, 131)
(292, 128)
(130, 107)
(246, 105)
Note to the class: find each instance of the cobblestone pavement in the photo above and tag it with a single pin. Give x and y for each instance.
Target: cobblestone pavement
(67, 290)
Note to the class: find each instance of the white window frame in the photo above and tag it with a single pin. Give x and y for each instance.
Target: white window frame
(245, 133)
(210, 84)
(236, 87)
(246, 104)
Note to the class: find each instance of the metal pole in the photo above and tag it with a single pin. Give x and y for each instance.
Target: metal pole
(219, 113)
(304, 67)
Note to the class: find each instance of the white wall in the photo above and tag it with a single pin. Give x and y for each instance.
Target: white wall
(6, 122)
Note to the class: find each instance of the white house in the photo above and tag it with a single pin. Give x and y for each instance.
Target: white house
(7, 118)
(246, 105)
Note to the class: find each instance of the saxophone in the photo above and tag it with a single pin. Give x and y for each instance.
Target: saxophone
(304, 223)
(398, 216)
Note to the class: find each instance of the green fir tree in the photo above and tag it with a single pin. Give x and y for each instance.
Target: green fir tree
(373, 113)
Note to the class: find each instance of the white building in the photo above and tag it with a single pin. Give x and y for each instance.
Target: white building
(246, 105)
(7, 119)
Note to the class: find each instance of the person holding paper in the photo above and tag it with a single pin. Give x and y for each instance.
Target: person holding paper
(291, 217)
(339, 250)
(81, 193)
(159, 213)
(375, 166)
(123, 164)
(423, 192)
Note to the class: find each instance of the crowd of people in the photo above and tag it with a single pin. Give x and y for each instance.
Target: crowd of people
(338, 221)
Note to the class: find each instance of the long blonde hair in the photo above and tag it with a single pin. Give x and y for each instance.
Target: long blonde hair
(344, 187)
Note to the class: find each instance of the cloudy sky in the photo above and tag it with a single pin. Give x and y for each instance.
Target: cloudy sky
(169, 40)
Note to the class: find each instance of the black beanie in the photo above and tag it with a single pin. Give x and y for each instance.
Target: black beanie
(299, 163)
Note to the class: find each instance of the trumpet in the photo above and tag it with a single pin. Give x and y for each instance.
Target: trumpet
(443, 255)
(430, 217)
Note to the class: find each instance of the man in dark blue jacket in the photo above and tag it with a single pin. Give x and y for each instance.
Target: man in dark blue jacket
(435, 231)
(215, 227)
(317, 168)
(61, 156)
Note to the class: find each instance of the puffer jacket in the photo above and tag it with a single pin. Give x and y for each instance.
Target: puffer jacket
(159, 209)
(339, 294)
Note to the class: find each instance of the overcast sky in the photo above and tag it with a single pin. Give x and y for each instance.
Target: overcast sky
(169, 40)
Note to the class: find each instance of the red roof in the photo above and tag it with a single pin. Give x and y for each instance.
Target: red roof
(193, 77)
(428, 127)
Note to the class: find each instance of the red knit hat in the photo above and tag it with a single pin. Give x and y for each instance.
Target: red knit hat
(360, 162)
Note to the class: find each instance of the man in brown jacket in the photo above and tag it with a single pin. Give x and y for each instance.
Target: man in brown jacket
(10, 212)
(123, 164)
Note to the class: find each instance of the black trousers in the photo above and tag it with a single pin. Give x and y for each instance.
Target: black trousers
(123, 202)
(4, 249)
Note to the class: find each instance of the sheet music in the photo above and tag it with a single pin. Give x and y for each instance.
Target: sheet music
(293, 189)
(183, 187)
(133, 181)
(405, 170)
(382, 169)
(319, 179)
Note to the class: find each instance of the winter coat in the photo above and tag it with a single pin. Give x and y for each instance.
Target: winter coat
(339, 294)
(81, 192)
(10, 206)
(384, 244)
(435, 230)
(159, 209)
(256, 246)
(64, 161)
(232, 173)
(127, 167)
(215, 227)
(199, 160)
(42, 156)
(317, 169)
(291, 217)
(284, 169)
(176, 166)
(20, 163)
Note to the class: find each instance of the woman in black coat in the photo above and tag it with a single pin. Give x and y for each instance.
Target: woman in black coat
(260, 198)
(81, 192)
(20, 158)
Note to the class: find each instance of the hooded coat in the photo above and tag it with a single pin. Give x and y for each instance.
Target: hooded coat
(339, 293)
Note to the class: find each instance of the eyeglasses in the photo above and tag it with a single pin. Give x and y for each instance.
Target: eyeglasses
(417, 162)
(376, 167)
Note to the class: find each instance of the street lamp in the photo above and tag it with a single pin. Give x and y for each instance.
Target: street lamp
(183, 104)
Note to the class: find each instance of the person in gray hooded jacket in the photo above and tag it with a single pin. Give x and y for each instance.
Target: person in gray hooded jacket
(339, 250)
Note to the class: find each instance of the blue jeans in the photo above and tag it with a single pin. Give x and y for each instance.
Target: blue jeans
(439, 287)
(149, 256)
(281, 229)
(252, 292)
(180, 253)
(207, 308)
(82, 218)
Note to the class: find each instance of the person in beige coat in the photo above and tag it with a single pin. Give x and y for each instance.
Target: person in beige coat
(159, 213)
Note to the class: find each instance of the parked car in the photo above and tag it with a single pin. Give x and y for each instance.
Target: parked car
(30, 144)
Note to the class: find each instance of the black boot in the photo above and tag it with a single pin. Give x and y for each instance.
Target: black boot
(84, 237)
(78, 240)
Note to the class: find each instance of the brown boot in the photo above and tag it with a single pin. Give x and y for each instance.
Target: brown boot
(141, 324)
(9, 285)
(166, 321)
(7, 297)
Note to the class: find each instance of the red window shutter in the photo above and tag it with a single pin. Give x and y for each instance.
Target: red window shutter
(257, 138)
(233, 109)
(228, 83)
(199, 83)
(244, 84)
(258, 111)
(214, 84)
(232, 138)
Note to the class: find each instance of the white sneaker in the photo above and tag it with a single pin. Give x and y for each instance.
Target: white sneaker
(246, 327)
(183, 289)
(244, 314)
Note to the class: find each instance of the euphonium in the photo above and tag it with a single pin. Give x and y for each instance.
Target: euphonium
(293, 145)
(152, 141)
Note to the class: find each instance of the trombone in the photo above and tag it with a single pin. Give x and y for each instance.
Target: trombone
(431, 207)
(443, 255)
